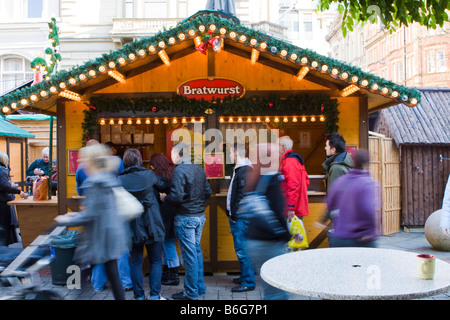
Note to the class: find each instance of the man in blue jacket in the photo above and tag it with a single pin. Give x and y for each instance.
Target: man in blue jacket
(189, 193)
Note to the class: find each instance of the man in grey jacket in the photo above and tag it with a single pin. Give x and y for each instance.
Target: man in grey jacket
(189, 193)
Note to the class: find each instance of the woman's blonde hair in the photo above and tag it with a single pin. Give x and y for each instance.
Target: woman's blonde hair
(4, 159)
(99, 156)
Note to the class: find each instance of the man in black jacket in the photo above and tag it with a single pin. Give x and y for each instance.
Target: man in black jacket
(246, 281)
(189, 193)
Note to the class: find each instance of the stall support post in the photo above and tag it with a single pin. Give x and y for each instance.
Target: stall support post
(50, 160)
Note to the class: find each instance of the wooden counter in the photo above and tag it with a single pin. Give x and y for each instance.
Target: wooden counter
(35, 217)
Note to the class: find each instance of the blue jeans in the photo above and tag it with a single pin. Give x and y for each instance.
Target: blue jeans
(245, 264)
(188, 231)
(99, 278)
(170, 255)
(154, 257)
(260, 251)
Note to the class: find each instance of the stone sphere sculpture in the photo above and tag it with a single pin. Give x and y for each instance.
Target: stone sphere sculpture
(434, 234)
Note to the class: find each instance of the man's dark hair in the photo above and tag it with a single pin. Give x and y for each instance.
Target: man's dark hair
(336, 141)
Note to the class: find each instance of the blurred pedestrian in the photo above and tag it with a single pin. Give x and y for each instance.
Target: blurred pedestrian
(148, 229)
(8, 233)
(246, 281)
(295, 179)
(105, 236)
(189, 192)
(99, 277)
(445, 215)
(352, 202)
(163, 168)
(262, 246)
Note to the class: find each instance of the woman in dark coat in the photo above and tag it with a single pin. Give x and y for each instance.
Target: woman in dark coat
(148, 229)
(7, 191)
(163, 168)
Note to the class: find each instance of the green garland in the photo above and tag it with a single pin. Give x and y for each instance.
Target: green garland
(277, 48)
(301, 104)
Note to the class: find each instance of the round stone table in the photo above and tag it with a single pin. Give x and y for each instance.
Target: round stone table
(354, 273)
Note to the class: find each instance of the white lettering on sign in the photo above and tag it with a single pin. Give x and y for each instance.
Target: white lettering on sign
(187, 90)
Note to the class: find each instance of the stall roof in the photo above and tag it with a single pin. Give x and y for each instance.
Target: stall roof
(10, 130)
(143, 55)
(428, 123)
(34, 117)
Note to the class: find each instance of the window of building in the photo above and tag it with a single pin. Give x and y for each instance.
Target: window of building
(29, 9)
(400, 72)
(14, 71)
(129, 9)
(435, 61)
(182, 8)
(155, 8)
(34, 8)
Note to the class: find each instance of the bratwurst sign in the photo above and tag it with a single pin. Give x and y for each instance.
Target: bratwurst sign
(211, 89)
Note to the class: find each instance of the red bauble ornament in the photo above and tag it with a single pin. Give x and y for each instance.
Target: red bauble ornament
(271, 105)
(154, 109)
(322, 108)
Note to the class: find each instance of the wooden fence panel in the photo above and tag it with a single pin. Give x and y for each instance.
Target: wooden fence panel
(385, 169)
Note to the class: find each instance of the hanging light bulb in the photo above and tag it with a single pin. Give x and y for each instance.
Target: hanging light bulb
(304, 119)
(294, 119)
(138, 121)
(313, 119)
(111, 121)
(156, 121)
(120, 121)
(147, 121)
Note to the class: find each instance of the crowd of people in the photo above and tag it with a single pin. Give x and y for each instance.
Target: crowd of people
(174, 192)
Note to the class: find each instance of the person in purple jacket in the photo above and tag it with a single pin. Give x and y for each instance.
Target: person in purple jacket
(352, 201)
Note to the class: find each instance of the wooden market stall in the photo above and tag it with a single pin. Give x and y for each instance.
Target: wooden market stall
(210, 72)
(13, 142)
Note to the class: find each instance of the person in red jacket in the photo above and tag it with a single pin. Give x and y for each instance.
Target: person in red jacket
(296, 180)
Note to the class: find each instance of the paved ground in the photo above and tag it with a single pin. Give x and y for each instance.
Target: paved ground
(219, 285)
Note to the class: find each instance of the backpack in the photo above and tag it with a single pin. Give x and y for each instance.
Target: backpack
(254, 207)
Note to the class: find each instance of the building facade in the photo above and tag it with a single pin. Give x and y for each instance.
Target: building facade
(411, 56)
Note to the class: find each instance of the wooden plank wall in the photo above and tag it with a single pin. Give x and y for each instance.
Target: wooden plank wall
(424, 178)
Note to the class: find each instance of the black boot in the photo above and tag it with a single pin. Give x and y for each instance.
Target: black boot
(173, 277)
(165, 274)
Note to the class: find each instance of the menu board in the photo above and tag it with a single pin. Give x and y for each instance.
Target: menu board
(214, 166)
(73, 162)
